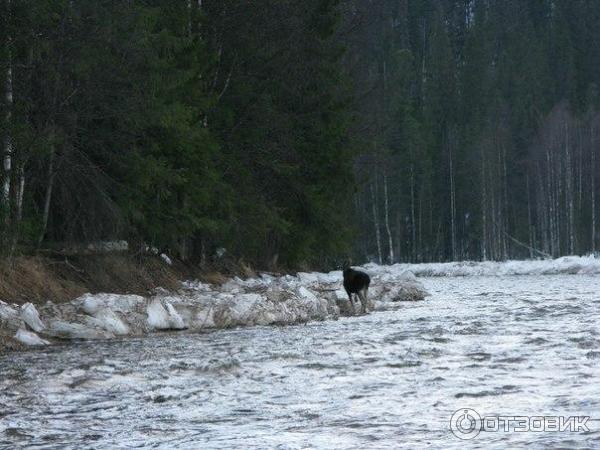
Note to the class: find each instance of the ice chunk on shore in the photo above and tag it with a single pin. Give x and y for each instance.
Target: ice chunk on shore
(69, 330)
(110, 321)
(7, 312)
(158, 317)
(29, 338)
(31, 317)
(161, 318)
(176, 320)
(10, 321)
(92, 303)
(204, 318)
(236, 310)
(306, 294)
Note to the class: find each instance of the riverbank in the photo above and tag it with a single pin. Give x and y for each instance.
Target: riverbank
(169, 304)
(110, 295)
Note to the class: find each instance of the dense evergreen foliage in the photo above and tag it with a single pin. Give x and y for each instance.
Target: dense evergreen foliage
(295, 133)
(186, 126)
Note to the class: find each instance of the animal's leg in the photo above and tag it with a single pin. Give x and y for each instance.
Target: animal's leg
(352, 311)
(362, 294)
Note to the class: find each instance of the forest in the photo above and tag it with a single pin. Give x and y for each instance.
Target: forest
(297, 134)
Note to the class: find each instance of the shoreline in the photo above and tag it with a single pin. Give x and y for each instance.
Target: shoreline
(197, 306)
(226, 302)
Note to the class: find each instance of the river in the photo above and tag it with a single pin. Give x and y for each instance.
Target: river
(502, 346)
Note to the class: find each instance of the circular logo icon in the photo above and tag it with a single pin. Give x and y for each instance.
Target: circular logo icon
(465, 423)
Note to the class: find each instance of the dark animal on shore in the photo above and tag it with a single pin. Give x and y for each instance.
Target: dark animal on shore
(356, 282)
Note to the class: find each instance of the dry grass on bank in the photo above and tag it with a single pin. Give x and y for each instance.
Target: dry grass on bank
(38, 279)
(59, 277)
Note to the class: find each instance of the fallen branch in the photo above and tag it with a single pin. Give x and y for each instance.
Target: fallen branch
(544, 254)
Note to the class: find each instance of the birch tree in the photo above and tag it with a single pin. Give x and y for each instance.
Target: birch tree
(8, 93)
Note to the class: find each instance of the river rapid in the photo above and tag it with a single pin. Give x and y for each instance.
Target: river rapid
(502, 345)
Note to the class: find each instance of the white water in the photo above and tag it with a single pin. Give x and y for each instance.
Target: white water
(507, 345)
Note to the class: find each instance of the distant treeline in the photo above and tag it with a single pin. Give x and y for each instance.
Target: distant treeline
(480, 127)
(296, 133)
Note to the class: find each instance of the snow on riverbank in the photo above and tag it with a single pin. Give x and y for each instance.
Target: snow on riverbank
(571, 265)
(257, 301)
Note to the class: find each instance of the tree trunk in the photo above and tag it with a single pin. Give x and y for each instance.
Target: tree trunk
(543, 208)
(420, 234)
(49, 187)
(452, 209)
(580, 172)
(551, 203)
(558, 197)
(8, 144)
(20, 194)
(505, 209)
(16, 225)
(413, 224)
(484, 200)
(190, 18)
(569, 193)
(376, 224)
(529, 224)
(387, 221)
(593, 188)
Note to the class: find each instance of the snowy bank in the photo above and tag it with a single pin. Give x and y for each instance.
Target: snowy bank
(197, 306)
(569, 265)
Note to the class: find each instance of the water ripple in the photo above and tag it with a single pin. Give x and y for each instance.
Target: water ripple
(523, 345)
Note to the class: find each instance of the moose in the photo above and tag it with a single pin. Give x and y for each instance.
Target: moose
(356, 282)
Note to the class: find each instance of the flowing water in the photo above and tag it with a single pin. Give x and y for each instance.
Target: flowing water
(511, 346)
